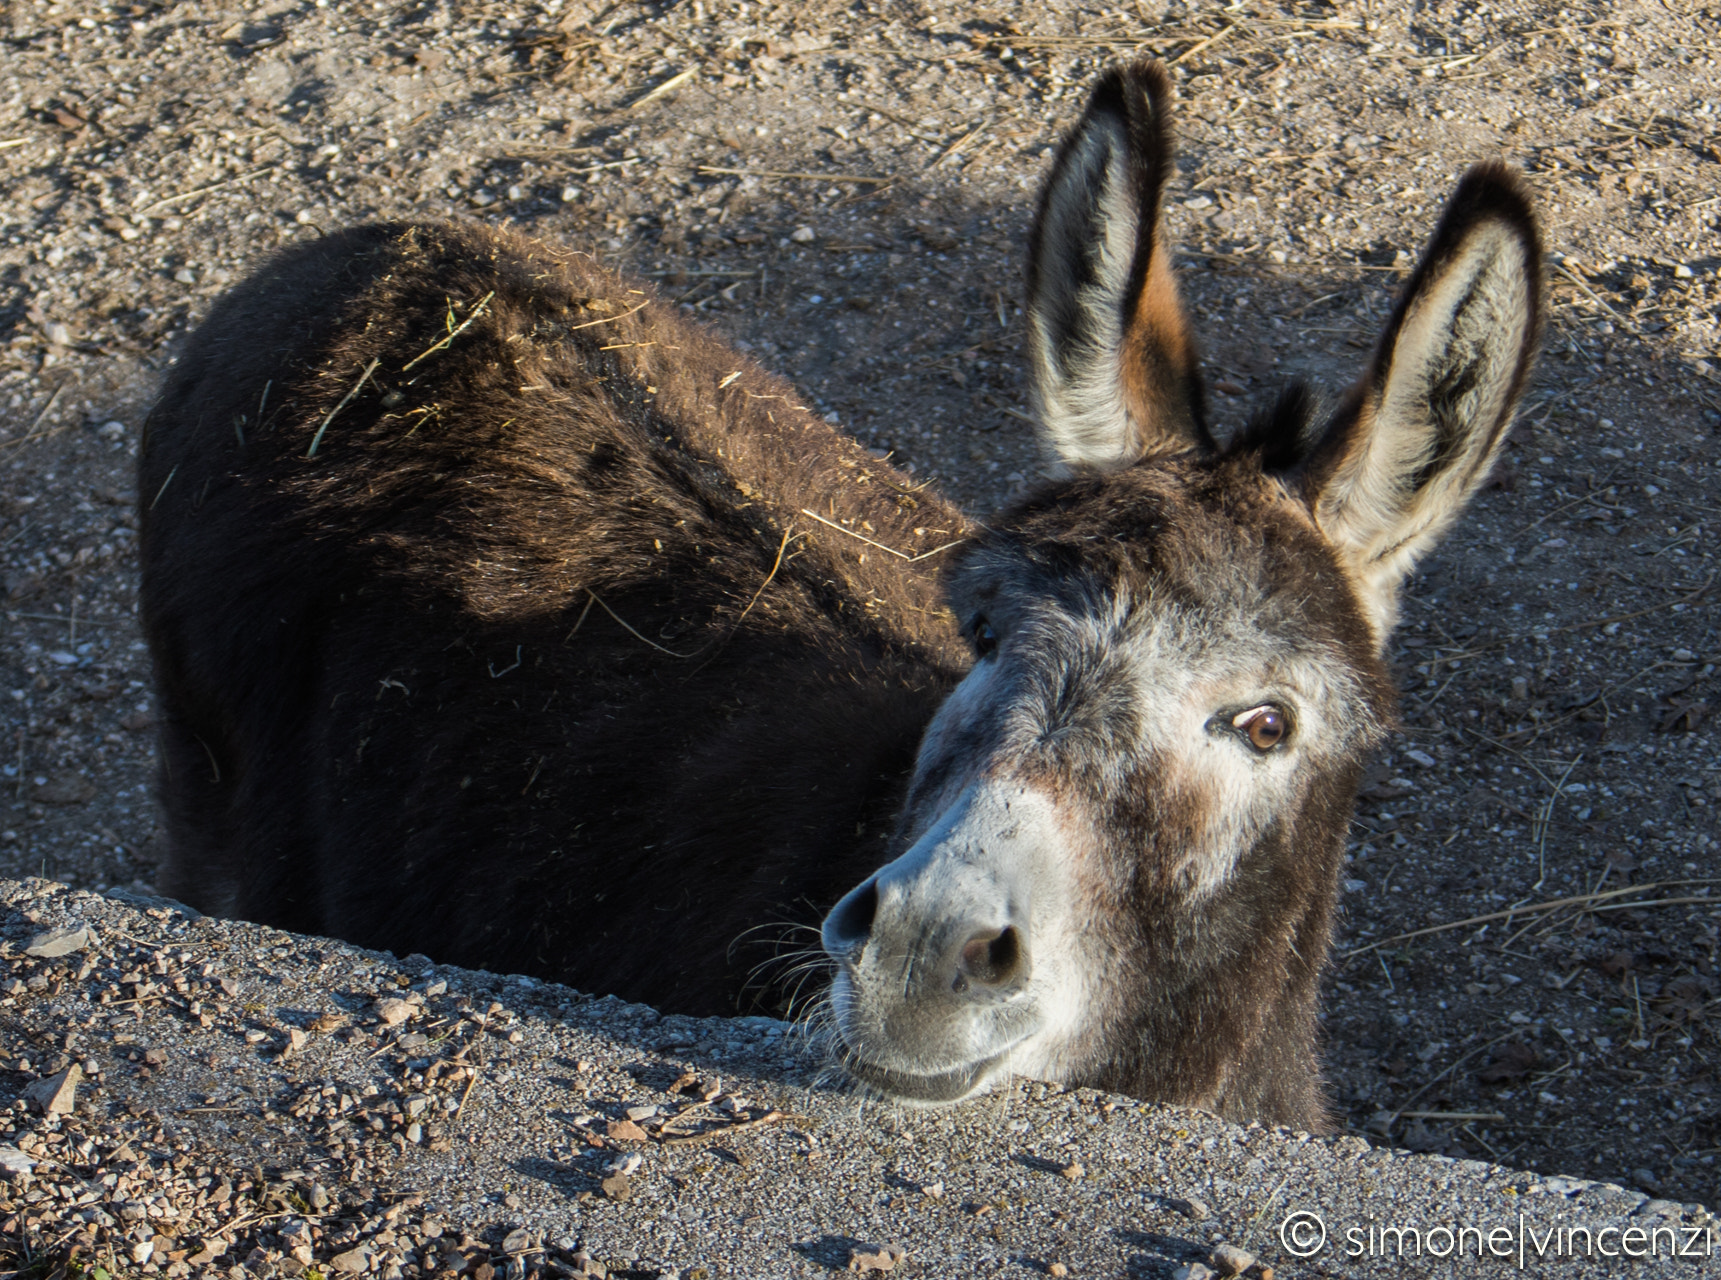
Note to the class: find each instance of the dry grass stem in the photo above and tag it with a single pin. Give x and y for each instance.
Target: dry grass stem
(453, 333)
(689, 1139)
(1585, 902)
(955, 148)
(900, 555)
(1208, 43)
(674, 82)
(609, 319)
(183, 196)
(792, 173)
(635, 634)
(345, 401)
(1495, 1116)
(776, 565)
(30, 432)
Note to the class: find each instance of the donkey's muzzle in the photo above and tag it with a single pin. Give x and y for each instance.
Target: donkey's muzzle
(935, 951)
(937, 955)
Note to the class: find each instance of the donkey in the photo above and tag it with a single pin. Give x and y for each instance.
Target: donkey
(502, 614)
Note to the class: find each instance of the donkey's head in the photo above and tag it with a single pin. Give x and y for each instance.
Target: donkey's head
(1125, 825)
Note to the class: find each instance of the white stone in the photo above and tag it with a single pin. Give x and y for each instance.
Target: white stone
(61, 942)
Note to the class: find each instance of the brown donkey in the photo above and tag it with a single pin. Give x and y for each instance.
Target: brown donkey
(501, 614)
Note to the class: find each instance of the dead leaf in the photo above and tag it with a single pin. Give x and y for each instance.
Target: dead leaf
(1685, 717)
(1618, 964)
(1512, 1061)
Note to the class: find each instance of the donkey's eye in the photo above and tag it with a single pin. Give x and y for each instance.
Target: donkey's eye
(985, 636)
(1265, 727)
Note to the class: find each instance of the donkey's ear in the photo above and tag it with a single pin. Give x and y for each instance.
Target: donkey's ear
(1418, 435)
(1114, 363)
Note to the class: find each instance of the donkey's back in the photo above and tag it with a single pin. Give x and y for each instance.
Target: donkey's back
(477, 582)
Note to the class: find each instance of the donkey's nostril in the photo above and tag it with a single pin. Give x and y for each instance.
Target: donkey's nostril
(993, 958)
(849, 924)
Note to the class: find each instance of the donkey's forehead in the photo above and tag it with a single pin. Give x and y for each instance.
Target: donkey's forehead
(1214, 544)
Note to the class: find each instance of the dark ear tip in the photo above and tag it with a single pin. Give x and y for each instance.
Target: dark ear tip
(1121, 86)
(1496, 190)
(1148, 77)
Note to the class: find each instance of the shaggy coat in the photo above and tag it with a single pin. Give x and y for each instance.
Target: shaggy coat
(501, 614)
(478, 585)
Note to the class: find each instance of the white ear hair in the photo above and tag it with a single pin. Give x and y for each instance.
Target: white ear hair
(1421, 432)
(1114, 364)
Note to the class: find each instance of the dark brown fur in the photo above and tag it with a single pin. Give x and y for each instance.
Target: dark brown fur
(397, 707)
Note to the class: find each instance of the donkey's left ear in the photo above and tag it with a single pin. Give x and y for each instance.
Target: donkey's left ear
(1419, 434)
(1114, 364)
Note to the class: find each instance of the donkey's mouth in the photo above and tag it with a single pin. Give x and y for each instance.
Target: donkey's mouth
(941, 1087)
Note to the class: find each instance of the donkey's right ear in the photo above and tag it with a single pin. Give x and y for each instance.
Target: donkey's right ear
(1114, 362)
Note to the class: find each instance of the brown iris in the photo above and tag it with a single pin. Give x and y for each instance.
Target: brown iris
(1265, 727)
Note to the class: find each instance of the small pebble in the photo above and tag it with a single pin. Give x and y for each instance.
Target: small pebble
(883, 1258)
(1193, 1209)
(616, 1186)
(57, 1094)
(14, 1163)
(803, 235)
(1230, 1260)
(517, 1241)
(1193, 1271)
(392, 1011)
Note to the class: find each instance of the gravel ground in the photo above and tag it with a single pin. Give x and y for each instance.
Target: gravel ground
(1556, 781)
(260, 1103)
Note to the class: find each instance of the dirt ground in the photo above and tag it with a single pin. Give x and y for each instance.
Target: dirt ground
(844, 189)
